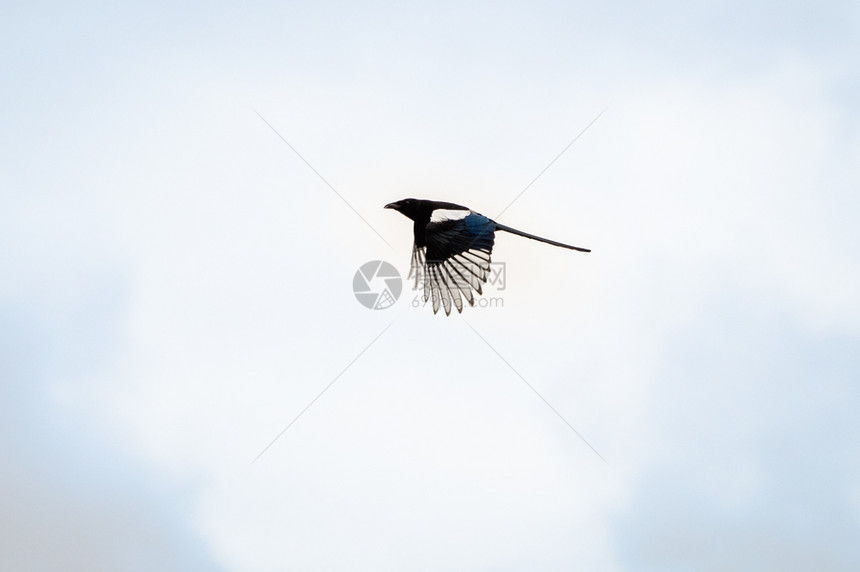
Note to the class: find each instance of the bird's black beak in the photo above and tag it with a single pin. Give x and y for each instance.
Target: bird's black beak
(391, 206)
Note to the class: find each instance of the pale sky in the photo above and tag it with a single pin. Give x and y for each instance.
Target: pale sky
(177, 287)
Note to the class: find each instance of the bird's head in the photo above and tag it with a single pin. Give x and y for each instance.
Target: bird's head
(407, 207)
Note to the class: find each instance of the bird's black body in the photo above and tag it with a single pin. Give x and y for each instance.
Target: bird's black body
(452, 249)
(421, 211)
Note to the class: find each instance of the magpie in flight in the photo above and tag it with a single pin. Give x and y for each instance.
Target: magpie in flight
(452, 249)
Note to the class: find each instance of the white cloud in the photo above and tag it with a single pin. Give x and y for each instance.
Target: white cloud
(754, 462)
(72, 498)
(191, 279)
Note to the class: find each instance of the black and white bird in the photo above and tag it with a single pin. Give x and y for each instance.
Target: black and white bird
(452, 249)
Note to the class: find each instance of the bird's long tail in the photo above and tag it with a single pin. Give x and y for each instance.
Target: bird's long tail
(533, 237)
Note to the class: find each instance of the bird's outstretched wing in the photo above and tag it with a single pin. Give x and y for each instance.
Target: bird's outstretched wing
(456, 260)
